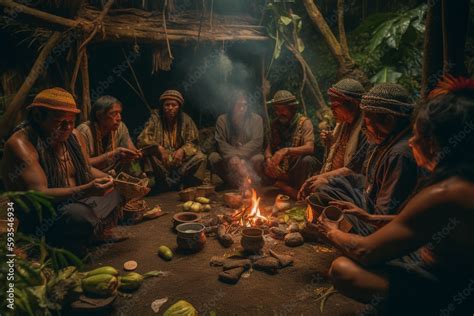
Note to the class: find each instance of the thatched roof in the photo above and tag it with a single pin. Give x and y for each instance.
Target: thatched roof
(138, 25)
(126, 24)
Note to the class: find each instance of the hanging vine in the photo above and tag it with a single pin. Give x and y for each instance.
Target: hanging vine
(284, 27)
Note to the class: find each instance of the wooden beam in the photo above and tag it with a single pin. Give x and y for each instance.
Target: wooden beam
(18, 101)
(50, 18)
(127, 33)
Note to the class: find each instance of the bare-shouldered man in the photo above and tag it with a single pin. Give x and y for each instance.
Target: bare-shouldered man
(47, 154)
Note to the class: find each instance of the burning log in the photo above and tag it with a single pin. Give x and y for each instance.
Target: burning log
(231, 276)
(267, 264)
(228, 218)
(285, 260)
(225, 239)
(232, 264)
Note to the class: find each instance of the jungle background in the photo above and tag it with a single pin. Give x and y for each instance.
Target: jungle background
(372, 40)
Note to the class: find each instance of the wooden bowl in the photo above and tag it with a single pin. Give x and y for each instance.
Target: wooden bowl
(187, 194)
(133, 211)
(205, 190)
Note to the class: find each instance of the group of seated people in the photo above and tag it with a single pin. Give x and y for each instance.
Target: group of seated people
(405, 185)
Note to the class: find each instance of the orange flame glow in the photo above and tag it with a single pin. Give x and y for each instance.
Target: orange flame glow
(309, 214)
(255, 216)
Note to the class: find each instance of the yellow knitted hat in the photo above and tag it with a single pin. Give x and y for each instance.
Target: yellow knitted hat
(56, 99)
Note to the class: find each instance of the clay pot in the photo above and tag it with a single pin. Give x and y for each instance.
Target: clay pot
(232, 199)
(252, 239)
(205, 190)
(316, 209)
(282, 202)
(187, 194)
(185, 217)
(191, 236)
(332, 215)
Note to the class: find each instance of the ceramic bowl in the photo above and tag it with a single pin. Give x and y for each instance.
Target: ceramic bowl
(191, 236)
(185, 217)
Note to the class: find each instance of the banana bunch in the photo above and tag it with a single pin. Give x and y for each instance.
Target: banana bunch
(105, 281)
(200, 204)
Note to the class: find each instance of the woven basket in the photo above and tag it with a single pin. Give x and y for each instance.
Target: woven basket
(133, 211)
(131, 188)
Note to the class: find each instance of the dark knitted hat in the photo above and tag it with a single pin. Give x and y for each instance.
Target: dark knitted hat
(347, 88)
(172, 95)
(283, 97)
(389, 98)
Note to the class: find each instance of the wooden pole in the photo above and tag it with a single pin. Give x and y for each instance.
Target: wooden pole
(340, 26)
(80, 52)
(18, 101)
(86, 96)
(266, 117)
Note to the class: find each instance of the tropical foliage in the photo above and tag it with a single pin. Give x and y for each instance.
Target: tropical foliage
(394, 52)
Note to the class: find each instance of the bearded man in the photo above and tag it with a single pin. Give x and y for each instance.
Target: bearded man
(289, 159)
(170, 144)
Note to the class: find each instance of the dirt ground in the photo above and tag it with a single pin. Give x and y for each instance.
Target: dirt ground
(292, 291)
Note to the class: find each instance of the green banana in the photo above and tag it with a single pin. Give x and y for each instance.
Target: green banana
(130, 281)
(100, 284)
(103, 270)
(181, 308)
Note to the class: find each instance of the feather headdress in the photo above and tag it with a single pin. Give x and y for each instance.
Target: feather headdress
(450, 84)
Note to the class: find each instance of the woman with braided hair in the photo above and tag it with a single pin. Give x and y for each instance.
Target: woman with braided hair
(438, 220)
(48, 155)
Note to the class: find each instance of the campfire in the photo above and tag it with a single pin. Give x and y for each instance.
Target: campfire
(250, 215)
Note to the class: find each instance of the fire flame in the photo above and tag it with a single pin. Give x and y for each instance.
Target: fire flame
(255, 216)
(309, 214)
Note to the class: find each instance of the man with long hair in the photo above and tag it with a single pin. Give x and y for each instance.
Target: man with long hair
(48, 155)
(239, 137)
(108, 142)
(438, 220)
(172, 140)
